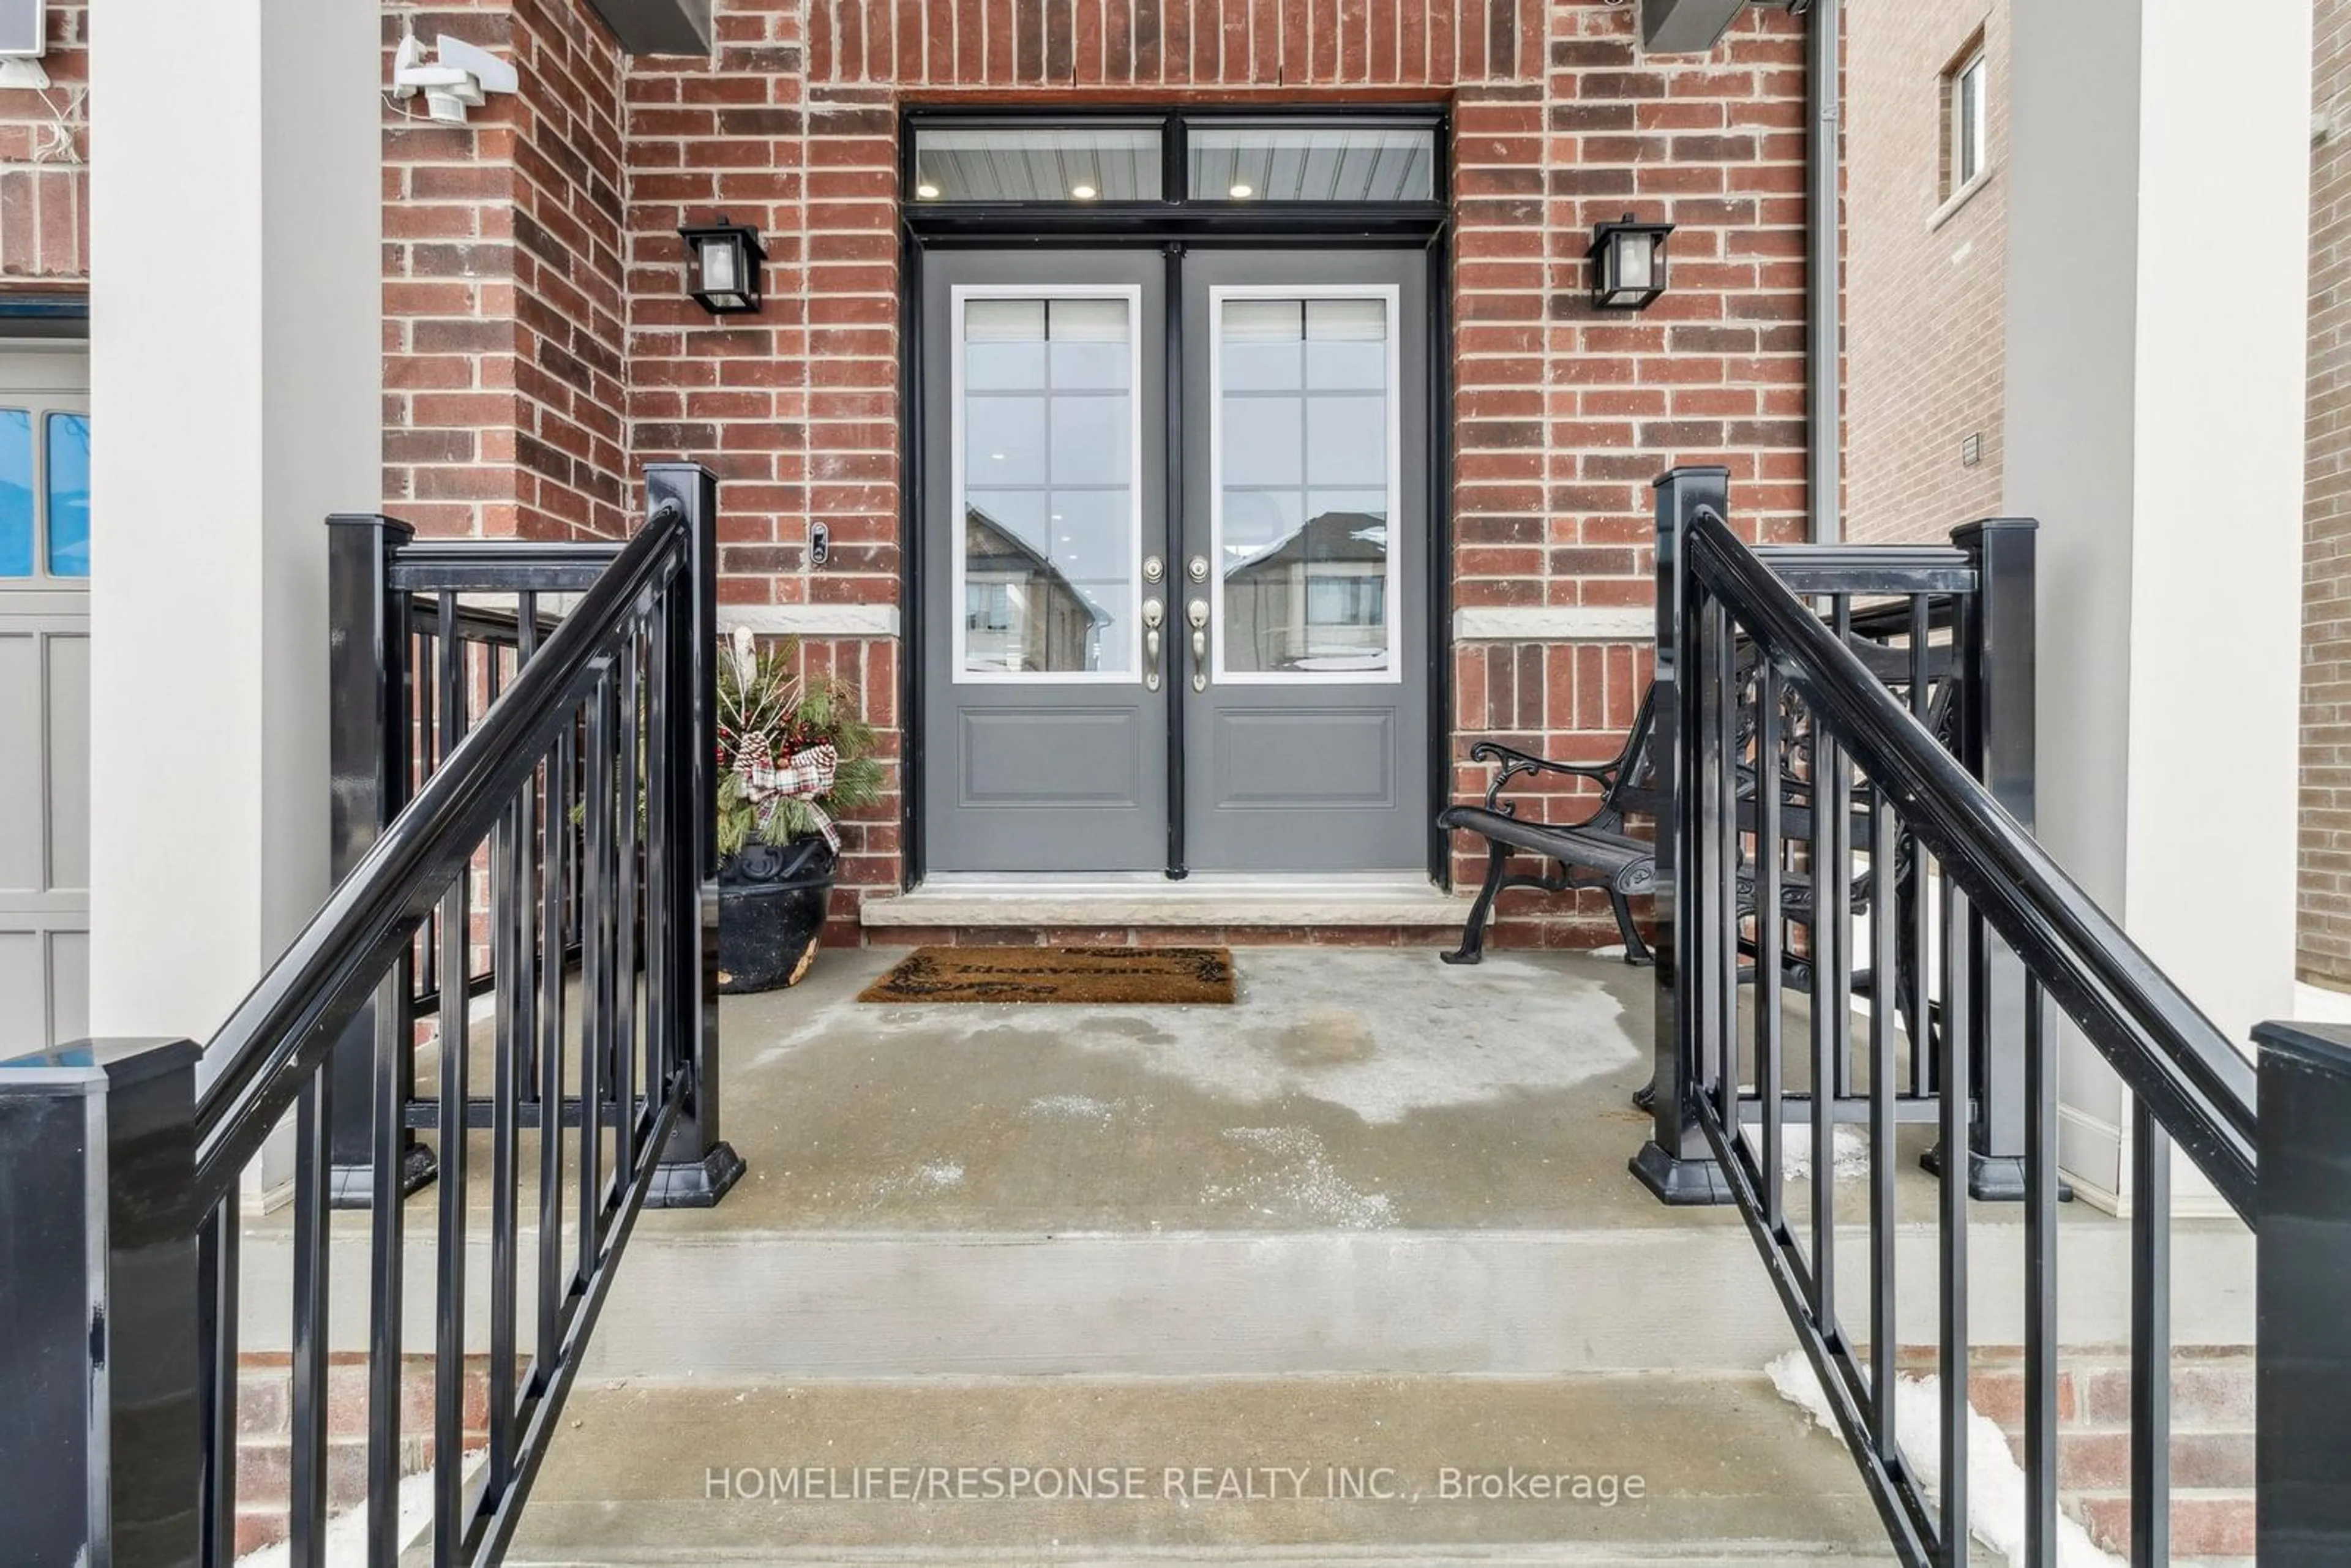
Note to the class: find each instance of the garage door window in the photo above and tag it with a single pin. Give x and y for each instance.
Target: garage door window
(65, 490)
(16, 493)
(44, 494)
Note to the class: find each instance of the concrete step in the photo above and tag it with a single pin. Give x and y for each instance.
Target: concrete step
(1660, 1469)
(1540, 1303)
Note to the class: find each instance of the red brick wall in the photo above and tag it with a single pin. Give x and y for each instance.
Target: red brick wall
(1562, 417)
(44, 176)
(504, 368)
(265, 1441)
(1556, 513)
(448, 295)
(570, 196)
(2213, 1414)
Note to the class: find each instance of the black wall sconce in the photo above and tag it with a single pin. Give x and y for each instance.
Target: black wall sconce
(723, 266)
(1628, 264)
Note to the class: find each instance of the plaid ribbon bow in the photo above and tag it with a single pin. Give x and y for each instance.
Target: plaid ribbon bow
(804, 776)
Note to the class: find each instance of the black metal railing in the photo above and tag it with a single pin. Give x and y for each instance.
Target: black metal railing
(566, 823)
(1948, 632)
(1740, 649)
(460, 654)
(429, 633)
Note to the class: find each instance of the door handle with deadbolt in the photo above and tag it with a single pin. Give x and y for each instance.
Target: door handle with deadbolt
(1196, 612)
(1154, 615)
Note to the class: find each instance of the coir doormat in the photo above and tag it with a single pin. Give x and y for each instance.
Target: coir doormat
(1176, 974)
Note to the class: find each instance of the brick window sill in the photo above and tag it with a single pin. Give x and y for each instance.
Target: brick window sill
(1960, 198)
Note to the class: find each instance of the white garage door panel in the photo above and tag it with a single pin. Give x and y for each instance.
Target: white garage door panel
(44, 706)
(69, 983)
(24, 827)
(23, 992)
(44, 829)
(68, 701)
(44, 986)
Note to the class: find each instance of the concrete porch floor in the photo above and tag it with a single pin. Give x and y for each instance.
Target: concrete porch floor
(1345, 1089)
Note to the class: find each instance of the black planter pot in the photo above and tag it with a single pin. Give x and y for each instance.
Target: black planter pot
(771, 907)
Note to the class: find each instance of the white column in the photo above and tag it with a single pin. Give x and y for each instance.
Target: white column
(2159, 208)
(235, 387)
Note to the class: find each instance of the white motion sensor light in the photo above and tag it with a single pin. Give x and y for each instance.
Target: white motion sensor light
(462, 76)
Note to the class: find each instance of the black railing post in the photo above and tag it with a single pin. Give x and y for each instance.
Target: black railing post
(697, 1166)
(367, 742)
(1676, 1164)
(1998, 715)
(2302, 1443)
(100, 1310)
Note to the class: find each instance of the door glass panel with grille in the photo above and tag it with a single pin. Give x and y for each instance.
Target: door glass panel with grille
(1305, 486)
(1051, 512)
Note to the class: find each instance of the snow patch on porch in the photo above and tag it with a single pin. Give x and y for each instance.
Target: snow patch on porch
(1301, 1187)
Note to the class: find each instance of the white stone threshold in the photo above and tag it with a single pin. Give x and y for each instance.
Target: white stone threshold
(1205, 901)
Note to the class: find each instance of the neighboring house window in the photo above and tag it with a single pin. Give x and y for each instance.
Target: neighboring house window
(1964, 135)
(991, 607)
(1347, 601)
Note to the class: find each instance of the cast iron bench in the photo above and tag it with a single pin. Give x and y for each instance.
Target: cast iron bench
(1597, 852)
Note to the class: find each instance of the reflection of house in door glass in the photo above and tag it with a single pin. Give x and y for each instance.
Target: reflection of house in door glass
(1303, 465)
(1315, 600)
(1047, 431)
(1020, 611)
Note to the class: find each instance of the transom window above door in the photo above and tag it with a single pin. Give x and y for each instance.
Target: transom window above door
(1022, 163)
(1367, 162)
(1172, 158)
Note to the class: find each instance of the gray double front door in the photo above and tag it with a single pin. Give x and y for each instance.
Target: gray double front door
(1216, 663)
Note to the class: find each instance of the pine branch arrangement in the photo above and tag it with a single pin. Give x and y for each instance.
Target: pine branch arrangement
(773, 725)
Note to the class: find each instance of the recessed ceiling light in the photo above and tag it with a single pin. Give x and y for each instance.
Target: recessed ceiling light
(1244, 191)
(927, 191)
(1083, 192)
(995, 456)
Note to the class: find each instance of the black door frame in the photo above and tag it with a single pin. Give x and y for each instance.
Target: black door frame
(1173, 226)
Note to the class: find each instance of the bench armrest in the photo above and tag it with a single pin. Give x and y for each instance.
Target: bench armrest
(1515, 762)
